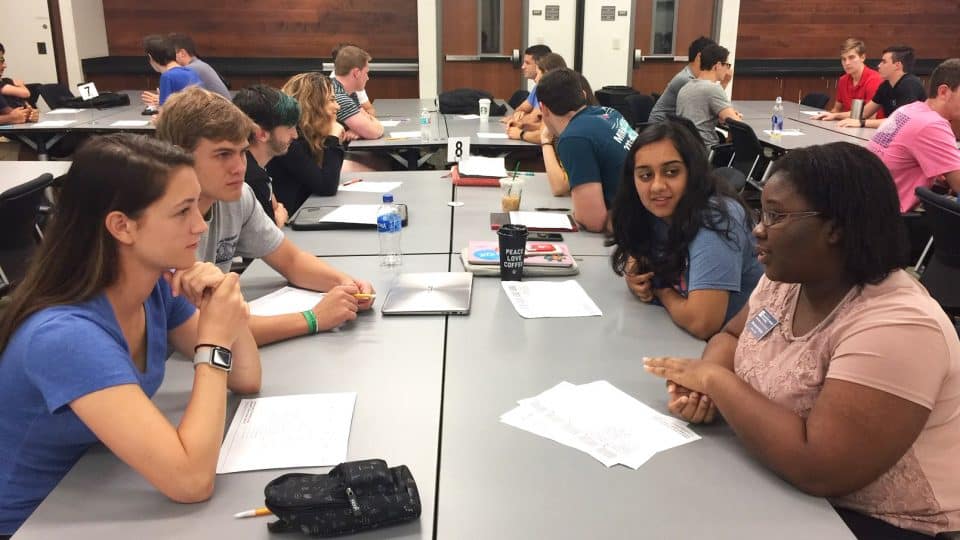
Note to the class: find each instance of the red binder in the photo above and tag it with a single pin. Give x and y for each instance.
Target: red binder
(485, 181)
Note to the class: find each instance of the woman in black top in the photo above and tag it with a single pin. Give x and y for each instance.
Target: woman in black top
(312, 164)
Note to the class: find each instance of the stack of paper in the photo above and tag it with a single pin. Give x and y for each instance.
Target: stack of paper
(482, 166)
(599, 419)
(539, 299)
(309, 430)
(285, 300)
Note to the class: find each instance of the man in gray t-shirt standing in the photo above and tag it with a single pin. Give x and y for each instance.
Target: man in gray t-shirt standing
(667, 102)
(703, 101)
(187, 57)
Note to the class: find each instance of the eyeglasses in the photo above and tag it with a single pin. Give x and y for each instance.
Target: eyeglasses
(770, 218)
(727, 65)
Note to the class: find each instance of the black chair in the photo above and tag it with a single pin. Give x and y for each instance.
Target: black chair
(942, 272)
(55, 94)
(815, 99)
(19, 208)
(518, 98)
(640, 106)
(615, 97)
(733, 177)
(749, 156)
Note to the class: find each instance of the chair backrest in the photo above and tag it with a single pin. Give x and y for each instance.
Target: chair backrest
(746, 146)
(615, 97)
(640, 105)
(943, 216)
(55, 94)
(815, 99)
(734, 178)
(517, 98)
(18, 221)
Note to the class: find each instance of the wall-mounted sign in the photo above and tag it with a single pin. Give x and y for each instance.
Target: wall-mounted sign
(608, 13)
(553, 12)
(537, 12)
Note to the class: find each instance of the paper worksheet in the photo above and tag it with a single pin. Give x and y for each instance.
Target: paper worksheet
(53, 123)
(600, 420)
(306, 430)
(64, 111)
(404, 134)
(285, 300)
(812, 113)
(130, 123)
(371, 187)
(482, 166)
(785, 133)
(540, 299)
(488, 135)
(390, 123)
(541, 220)
(353, 213)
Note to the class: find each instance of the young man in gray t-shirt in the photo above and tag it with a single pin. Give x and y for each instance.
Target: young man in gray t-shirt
(667, 102)
(187, 57)
(216, 132)
(703, 101)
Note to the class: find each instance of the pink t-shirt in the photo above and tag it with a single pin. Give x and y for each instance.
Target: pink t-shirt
(892, 337)
(870, 80)
(917, 145)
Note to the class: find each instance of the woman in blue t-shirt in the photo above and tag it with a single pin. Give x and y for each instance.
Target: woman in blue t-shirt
(682, 237)
(84, 339)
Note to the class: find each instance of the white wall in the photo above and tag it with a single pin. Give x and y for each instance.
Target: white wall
(427, 47)
(22, 26)
(607, 45)
(559, 35)
(729, 24)
(84, 35)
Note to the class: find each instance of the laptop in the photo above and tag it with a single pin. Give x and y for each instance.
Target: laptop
(430, 293)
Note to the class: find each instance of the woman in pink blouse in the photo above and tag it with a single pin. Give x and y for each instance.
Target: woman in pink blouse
(841, 374)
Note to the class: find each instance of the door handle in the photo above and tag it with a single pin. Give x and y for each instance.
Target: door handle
(515, 58)
(637, 58)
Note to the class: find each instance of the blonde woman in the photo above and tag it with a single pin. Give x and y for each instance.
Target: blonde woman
(312, 164)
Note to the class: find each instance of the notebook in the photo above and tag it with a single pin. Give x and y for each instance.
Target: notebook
(430, 293)
(485, 252)
(535, 221)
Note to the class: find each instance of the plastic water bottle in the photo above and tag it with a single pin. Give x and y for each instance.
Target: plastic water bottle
(425, 129)
(389, 225)
(777, 119)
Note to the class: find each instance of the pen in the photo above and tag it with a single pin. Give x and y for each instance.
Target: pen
(396, 138)
(364, 296)
(257, 512)
(352, 181)
(552, 209)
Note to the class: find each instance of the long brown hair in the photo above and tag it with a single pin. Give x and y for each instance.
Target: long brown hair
(78, 256)
(312, 90)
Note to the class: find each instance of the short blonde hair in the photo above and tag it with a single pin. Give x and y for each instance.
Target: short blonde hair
(195, 113)
(350, 57)
(854, 44)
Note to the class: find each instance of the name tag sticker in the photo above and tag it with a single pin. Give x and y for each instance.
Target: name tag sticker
(761, 324)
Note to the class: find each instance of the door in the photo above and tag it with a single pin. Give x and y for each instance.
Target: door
(607, 42)
(28, 41)
(481, 45)
(552, 23)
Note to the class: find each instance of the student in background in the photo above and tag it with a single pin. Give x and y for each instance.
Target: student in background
(838, 345)
(216, 132)
(531, 56)
(917, 143)
(312, 165)
(186, 56)
(527, 127)
(276, 116)
(85, 337)
(667, 102)
(858, 80)
(173, 76)
(362, 98)
(703, 100)
(900, 87)
(591, 144)
(16, 93)
(352, 71)
(682, 236)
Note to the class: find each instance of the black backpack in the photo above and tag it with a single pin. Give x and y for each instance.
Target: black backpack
(466, 101)
(354, 496)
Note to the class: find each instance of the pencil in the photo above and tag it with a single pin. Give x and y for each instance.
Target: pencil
(364, 296)
(257, 512)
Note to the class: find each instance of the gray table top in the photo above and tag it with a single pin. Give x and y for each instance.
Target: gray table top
(500, 482)
(810, 135)
(461, 127)
(426, 195)
(395, 365)
(763, 110)
(407, 111)
(472, 220)
(14, 173)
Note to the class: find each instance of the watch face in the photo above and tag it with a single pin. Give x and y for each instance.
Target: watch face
(222, 358)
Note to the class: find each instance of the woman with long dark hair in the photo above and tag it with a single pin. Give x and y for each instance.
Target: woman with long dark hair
(842, 374)
(84, 339)
(682, 237)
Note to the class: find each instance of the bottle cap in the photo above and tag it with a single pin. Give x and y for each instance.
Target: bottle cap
(388, 197)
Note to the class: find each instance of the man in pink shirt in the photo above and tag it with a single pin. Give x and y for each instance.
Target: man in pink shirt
(917, 143)
(858, 80)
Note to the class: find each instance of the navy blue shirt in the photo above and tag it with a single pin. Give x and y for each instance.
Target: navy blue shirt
(56, 356)
(593, 147)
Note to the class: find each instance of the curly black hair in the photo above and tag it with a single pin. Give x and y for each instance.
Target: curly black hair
(848, 184)
(703, 204)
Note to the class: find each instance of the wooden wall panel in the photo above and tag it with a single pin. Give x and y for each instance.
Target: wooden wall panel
(817, 28)
(695, 19)
(459, 37)
(265, 28)
(378, 87)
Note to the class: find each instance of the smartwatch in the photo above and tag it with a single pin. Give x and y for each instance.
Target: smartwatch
(214, 355)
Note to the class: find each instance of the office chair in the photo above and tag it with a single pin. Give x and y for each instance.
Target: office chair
(815, 99)
(640, 106)
(733, 177)
(615, 98)
(518, 98)
(942, 272)
(19, 208)
(749, 156)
